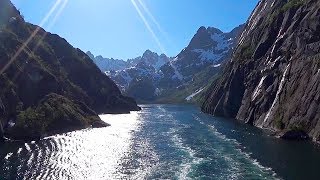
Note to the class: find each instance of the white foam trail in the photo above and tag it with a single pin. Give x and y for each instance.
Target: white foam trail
(30, 160)
(8, 156)
(146, 23)
(186, 166)
(19, 151)
(27, 147)
(247, 156)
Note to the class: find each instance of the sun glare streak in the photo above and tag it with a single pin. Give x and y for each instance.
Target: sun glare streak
(25, 44)
(45, 34)
(54, 20)
(148, 26)
(146, 9)
(57, 16)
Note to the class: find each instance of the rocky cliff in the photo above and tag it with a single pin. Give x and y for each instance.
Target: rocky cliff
(273, 79)
(47, 86)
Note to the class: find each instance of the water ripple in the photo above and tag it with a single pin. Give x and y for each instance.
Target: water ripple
(160, 142)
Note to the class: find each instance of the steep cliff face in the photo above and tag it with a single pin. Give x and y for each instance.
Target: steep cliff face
(46, 85)
(273, 79)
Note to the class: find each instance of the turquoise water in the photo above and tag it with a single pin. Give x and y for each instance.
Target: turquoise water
(162, 142)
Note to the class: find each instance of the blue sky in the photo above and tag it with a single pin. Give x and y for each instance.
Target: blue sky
(126, 28)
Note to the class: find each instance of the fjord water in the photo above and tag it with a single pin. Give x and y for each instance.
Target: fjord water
(162, 142)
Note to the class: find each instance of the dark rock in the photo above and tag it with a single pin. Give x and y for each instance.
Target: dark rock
(100, 124)
(53, 115)
(294, 135)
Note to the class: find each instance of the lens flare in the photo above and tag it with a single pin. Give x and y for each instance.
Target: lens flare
(25, 44)
(153, 19)
(61, 8)
(58, 14)
(146, 23)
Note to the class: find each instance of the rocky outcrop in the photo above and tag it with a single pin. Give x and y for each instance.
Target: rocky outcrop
(294, 135)
(54, 114)
(47, 86)
(273, 79)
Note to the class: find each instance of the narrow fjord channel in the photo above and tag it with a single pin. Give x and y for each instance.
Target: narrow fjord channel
(161, 142)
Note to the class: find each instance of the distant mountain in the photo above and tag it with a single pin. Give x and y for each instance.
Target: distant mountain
(145, 66)
(106, 64)
(177, 79)
(48, 86)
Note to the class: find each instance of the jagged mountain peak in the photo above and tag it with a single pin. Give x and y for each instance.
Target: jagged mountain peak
(163, 55)
(207, 50)
(90, 54)
(211, 30)
(148, 52)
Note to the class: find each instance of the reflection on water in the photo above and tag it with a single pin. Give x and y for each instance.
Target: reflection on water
(161, 142)
(86, 154)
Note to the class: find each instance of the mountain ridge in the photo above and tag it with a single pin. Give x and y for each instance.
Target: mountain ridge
(48, 86)
(172, 78)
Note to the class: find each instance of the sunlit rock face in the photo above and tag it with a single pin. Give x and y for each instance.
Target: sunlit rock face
(47, 86)
(273, 80)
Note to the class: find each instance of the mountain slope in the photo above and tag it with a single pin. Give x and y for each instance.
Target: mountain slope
(272, 80)
(47, 86)
(179, 79)
(189, 73)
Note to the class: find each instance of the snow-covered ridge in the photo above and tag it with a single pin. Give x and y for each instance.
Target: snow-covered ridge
(176, 72)
(208, 55)
(208, 49)
(218, 48)
(149, 58)
(194, 94)
(222, 42)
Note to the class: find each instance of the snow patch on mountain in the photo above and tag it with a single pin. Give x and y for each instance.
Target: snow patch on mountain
(208, 49)
(217, 65)
(208, 55)
(194, 94)
(176, 72)
(222, 42)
